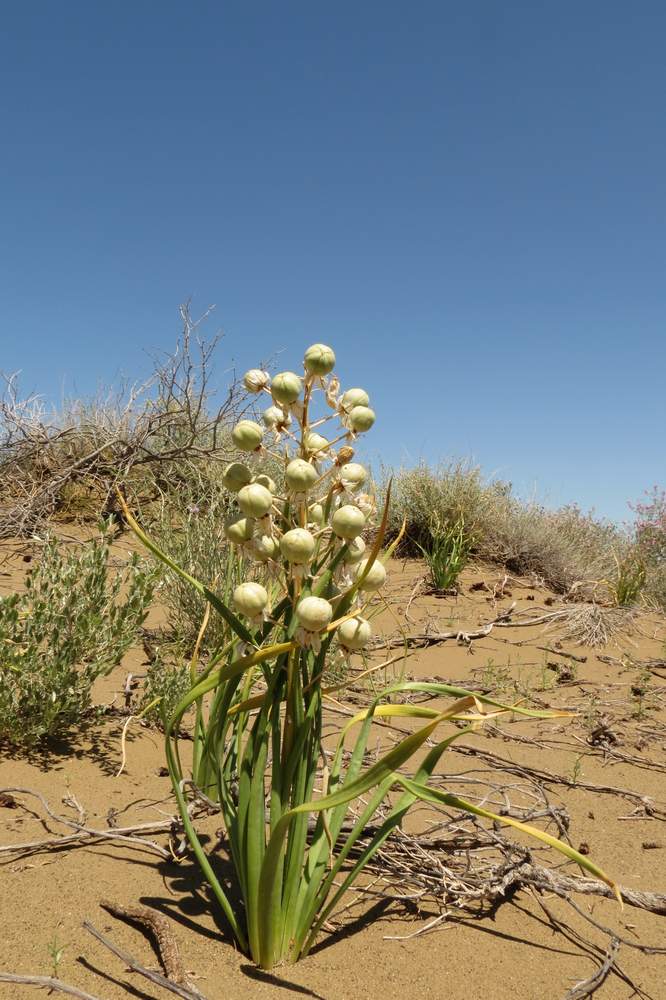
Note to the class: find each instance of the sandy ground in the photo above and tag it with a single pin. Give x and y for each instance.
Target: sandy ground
(378, 947)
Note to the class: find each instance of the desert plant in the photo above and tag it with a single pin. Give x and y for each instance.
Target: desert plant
(68, 628)
(260, 699)
(446, 553)
(629, 580)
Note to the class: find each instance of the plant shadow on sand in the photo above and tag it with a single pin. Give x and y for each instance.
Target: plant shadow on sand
(98, 739)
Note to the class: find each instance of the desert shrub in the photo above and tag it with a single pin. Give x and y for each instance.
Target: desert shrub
(565, 548)
(444, 494)
(166, 683)
(139, 435)
(655, 585)
(190, 528)
(650, 526)
(69, 627)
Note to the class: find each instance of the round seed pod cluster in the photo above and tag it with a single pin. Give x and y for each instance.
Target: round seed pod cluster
(305, 538)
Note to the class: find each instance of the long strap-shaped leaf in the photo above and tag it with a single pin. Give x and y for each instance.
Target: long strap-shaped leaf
(268, 924)
(235, 623)
(436, 797)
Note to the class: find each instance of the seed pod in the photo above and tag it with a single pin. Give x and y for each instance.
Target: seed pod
(315, 442)
(275, 416)
(239, 529)
(355, 550)
(361, 418)
(355, 633)
(354, 397)
(345, 454)
(348, 521)
(250, 599)
(297, 546)
(264, 548)
(316, 515)
(255, 380)
(236, 476)
(300, 476)
(266, 481)
(376, 577)
(352, 475)
(286, 388)
(314, 613)
(319, 359)
(247, 436)
(255, 500)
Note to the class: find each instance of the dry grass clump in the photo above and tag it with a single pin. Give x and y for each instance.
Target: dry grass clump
(566, 548)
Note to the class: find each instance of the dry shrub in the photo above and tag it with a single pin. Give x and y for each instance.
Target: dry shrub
(565, 548)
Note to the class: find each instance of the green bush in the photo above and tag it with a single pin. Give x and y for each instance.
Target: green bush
(68, 628)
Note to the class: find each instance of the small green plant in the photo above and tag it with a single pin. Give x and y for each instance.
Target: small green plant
(642, 694)
(629, 580)
(446, 553)
(56, 952)
(577, 769)
(260, 699)
(69, 627)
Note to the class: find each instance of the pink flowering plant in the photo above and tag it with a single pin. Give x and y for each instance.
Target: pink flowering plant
(295, 816)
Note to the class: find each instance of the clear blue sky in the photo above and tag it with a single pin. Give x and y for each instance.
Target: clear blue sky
(467, 201)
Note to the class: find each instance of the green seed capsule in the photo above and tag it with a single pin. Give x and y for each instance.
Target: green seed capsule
(255, 380)
(361, 418)
(352, 474)
(355, 633)
(319, 359)
(348, 521)
(354, 397)
(250, 599)
(274, 416)
(266, 481)
(316, 515)
(236, 476)
(239, 529)
(264, 548)
(247, 436)
(300, 476)
(315, 442)
(297, 546)
(255, 500)
(286, 388)
(355, 551)
(376, 577)
(314, 613)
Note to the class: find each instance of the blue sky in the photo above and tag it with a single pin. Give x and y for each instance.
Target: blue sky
(467, 201)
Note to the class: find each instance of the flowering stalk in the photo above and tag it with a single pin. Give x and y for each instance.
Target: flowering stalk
(260, 701)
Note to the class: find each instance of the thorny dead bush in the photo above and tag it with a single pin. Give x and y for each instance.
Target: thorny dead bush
(69, 627)
(142, 436)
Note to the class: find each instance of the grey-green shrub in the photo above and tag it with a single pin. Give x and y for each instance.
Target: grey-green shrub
(69, 627)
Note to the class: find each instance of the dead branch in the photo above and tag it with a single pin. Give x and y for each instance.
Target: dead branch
(155, 977)
(160, 928)
(149, 431)
(465, 638)
(84, 835)
(45, 982)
